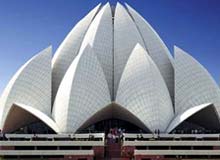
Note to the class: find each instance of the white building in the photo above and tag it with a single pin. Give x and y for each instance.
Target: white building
(112, 65)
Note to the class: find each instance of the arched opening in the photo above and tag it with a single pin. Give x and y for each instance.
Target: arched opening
(205, 121)
(36, 127)
(112, 116)
(25, 119)
(104, 126)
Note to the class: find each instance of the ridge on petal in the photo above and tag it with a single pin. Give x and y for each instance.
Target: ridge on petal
(143, 91)
(155, 48)
(82, 92)
(68, 49)
(126, 36)
(193, 84)
(100, 37)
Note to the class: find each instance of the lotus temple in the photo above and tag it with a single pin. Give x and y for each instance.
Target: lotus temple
(111, 71)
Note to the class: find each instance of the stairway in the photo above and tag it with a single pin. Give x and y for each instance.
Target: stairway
(113, 151)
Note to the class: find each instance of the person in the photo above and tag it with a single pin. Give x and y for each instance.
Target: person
(155, 132)
(111, 131)
(1, 135)
(196, 131)
(120, 134)
(141, 134)
(72, 136)
(153, 135)
(138, 137)
(114, 138)
(34, 138)
(122, 137)
(4, 136)
(119, 131)
(91, 137)
(158, 133)
(109, 136)
(114, 131)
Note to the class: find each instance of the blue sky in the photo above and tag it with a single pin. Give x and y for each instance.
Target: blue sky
(28, 26)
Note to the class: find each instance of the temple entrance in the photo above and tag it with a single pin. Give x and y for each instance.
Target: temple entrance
(113, 129)
(113, 116)
(200, 123)
(34, 128)
(104, 126)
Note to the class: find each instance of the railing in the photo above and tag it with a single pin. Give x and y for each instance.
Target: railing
(54, 137)
(46, 152)
(173, 137)
(171, 143)
(176, 152)
(50, 144)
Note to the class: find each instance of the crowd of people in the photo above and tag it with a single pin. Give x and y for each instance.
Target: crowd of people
(115, 135)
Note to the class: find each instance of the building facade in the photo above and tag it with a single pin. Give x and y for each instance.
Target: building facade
(112, 65)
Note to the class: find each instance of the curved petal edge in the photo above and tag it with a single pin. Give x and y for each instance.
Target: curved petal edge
(31, 85)
(193, 84)
(180, 118)
(126, 36)
(156, 48)
(21, 115)
(100, 36)
(69, 49)
(83, 92)
(143, 91)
